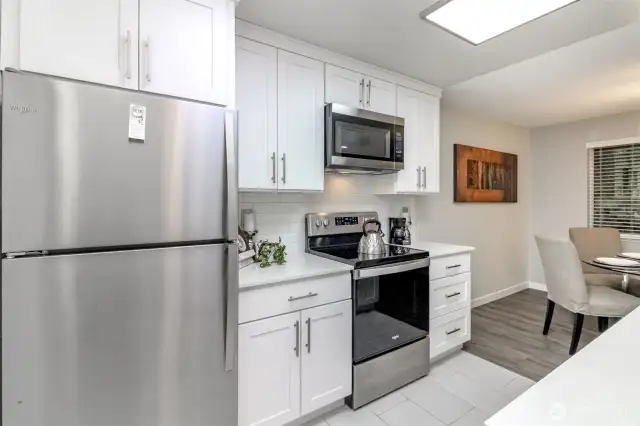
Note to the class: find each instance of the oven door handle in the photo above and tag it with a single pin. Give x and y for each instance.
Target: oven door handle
(392, 269)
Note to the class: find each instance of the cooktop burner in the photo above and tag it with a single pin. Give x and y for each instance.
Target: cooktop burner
(349, 254)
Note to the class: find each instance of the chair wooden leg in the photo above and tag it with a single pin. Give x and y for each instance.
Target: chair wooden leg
(603, 324)
(547, 320)
(577, 329)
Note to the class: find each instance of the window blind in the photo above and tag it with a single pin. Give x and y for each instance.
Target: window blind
(614, 188)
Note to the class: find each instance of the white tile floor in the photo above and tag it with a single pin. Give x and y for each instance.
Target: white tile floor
(461, 390)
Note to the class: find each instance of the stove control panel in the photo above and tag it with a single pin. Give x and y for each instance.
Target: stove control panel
(320, 224)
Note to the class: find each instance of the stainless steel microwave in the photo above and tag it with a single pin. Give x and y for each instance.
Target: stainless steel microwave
(357, 140)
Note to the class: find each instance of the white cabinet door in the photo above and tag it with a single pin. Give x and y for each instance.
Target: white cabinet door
(257, 103)
(326, 355)
(344, 87)
(93, 41)
(269, 371)
(421, 172)
(184, 48)
(381, 96)
(300, 123)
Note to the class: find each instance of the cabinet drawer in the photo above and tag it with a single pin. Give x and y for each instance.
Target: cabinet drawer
(449, 294)
(449, 265)
(293, 296)
(449, 331)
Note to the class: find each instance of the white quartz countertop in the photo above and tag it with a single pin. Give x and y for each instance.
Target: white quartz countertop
(299, 266)
(597, 386)
(436, 249)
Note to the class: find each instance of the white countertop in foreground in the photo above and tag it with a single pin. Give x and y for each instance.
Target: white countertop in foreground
(598, 386)
(440, 249)
(298, 266)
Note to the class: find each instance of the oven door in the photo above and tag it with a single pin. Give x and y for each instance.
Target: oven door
(391, 308)
(363, 140)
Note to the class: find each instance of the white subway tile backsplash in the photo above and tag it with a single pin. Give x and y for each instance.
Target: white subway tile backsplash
(281, 215)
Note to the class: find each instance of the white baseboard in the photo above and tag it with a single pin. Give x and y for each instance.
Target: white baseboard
(537, 286)
(488, 298)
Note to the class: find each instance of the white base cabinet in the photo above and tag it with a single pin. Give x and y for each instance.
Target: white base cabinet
(450, 302)
(295, 363)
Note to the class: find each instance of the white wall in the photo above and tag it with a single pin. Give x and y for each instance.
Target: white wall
(559, 175)
(499, 231)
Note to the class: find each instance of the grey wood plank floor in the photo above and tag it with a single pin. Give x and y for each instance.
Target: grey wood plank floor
(508, 332)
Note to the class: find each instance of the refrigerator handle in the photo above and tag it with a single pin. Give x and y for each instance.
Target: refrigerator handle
(231, 143)
(233, 289)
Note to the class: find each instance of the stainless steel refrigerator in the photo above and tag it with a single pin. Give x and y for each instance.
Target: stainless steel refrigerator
(119, 268)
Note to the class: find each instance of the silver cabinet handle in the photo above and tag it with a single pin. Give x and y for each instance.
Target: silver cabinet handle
(284, 168)
(127, 58)
(369, 94)
(419, 183)
(424, 177)
(291, 299)
(453, 266)
(455, 330)
(297, 348)
(449, 296)
(147, 64)
(308, 335)
(361, 92)
(273, 172)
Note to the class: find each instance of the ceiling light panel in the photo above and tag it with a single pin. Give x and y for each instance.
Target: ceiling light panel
(480, 20)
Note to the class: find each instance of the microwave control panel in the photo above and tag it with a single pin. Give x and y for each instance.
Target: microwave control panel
(399, 146)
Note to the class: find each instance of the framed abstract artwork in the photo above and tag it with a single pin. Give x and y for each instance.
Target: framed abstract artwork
(484, 176)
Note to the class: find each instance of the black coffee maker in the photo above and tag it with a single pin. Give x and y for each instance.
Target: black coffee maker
(400, 233)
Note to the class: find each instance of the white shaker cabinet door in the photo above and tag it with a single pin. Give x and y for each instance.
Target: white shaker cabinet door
(421, 172)
(326, 355)
(344, 87)
(184, 48)
(269, 371)
(257, 103)
(95, 41)
(300, 123)
(380, 96)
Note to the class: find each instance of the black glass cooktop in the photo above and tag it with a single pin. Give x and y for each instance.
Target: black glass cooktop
(349, 254)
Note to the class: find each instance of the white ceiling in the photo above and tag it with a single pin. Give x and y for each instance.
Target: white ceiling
(389, 33)
(591, 78)
(579, 62)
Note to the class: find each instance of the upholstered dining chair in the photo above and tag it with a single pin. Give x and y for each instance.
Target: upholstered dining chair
(566, 286)
(600, 242)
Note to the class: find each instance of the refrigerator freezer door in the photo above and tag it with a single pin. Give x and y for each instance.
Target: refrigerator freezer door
(72, 177)
(132, 338)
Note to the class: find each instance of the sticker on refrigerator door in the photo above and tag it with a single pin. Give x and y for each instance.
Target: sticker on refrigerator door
(137, 122)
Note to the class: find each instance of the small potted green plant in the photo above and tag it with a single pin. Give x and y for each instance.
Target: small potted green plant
(268, 252)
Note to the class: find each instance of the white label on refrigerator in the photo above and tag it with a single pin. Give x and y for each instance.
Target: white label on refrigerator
(137, 121)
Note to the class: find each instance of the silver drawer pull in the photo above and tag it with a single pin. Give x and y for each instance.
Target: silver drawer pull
(453, 266)
(455, 330)
(291, 299)
(448, 296)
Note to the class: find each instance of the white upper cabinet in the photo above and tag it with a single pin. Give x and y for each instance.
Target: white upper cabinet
(257, 102)
(344, 87)
(381, 96)
(357, 90)
(269, 371)
(183, 48)
(326, 355)
(421, 172)
(93, 40)
(300, 123)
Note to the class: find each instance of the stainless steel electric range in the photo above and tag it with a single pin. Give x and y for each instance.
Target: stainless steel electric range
(390, 305)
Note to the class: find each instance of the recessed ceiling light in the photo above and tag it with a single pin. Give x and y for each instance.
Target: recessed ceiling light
(477, 21)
